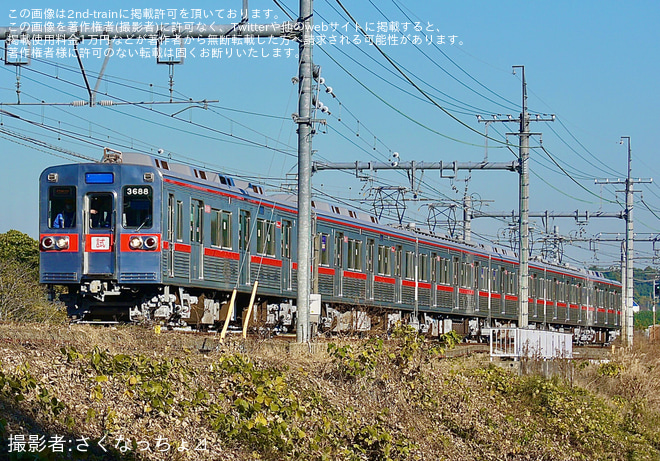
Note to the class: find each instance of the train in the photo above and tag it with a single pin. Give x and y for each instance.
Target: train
(140, 238)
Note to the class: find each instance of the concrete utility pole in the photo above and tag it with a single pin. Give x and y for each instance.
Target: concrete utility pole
(304, 121)
(523, 226)
(628, 261)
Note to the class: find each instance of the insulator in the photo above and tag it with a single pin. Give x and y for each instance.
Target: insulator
(106, 102)
(79, 103)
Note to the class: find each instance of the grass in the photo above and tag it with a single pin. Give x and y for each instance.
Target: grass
(141, 392)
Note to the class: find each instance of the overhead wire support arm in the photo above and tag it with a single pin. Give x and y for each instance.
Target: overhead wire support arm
(577, 215)
(450, 166)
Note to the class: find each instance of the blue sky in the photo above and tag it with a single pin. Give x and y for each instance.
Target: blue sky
(592, 63)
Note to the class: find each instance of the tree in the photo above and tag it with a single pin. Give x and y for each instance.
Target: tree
(21, 296)
(17, 246)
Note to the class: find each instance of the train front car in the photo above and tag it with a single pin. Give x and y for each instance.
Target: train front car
(100, 238)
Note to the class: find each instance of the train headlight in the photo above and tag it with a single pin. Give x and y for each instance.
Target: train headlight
(47, 243)
(150, 243)
(135, 243)
(62, 243)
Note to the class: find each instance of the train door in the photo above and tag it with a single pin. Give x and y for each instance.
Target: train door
(168, 250)
(339, 263)
(286, 255)
(196, 239)
(474, 280)
(99, 228)
(244, 246)
(398, 258)
(435, 261)
(370, 269)
(454, 282)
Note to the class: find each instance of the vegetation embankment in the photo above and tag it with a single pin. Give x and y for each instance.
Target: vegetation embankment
(148, 396)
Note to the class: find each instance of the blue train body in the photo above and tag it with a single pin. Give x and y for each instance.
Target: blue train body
(136, 237)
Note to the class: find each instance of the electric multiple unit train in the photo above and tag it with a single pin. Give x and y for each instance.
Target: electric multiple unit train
(136, 237)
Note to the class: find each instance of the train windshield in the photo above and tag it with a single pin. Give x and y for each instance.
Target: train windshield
(62, 207)
(138, 207)
(100, 210)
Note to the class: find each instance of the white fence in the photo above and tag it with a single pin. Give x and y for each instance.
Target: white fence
(517, 343)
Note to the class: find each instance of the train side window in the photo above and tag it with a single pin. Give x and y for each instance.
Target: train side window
(354, 255)
(580, 292)
(265, 237)
(384, 260)
(220, 228)
(446, 276)
(225, 229)
(215, 228)
(61, 207)
(179, 220)
(325, 250)
(398, 262)
(138, 207)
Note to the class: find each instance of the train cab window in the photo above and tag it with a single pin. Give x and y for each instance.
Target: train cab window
(100, 211)
(138, 207)
(61, 207)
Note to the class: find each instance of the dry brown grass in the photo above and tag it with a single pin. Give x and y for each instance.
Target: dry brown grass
(392, 401)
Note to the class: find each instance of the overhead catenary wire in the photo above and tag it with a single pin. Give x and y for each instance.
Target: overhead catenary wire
(285, 118)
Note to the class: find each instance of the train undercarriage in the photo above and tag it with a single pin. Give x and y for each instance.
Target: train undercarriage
(97, 301)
